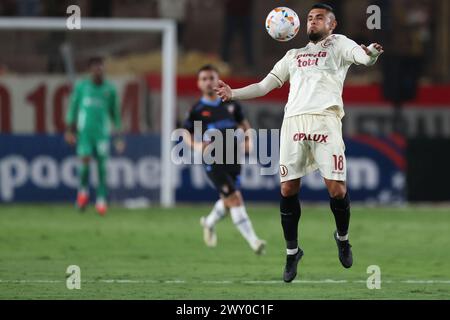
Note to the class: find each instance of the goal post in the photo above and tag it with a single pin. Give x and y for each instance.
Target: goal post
(169, 58)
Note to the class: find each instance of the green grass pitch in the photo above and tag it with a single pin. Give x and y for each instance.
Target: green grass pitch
(159, 254)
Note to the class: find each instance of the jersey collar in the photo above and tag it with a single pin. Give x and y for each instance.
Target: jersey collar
(318, 43)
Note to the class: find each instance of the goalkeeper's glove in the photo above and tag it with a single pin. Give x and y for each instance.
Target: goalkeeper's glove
(70, 136)
(119, 144)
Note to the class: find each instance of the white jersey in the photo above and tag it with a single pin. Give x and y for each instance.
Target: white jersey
(316, 74)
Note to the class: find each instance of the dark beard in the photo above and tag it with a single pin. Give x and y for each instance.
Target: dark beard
(314, 37)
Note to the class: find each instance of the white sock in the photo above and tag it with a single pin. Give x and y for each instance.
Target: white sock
(291, 251)
(217, 213)
(244, 225)
(342, 238)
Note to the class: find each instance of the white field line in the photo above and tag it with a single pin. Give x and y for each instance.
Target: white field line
(177, 281)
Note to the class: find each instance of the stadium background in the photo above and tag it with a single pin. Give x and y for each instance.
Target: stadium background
(397, 131)
(411, 80)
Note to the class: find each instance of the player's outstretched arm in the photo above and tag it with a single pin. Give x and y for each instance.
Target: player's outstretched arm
(249, 92)
(119, 140)
(72, 114)
(367, 55)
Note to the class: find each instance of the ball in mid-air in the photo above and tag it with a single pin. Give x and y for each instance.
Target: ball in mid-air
(282, 24)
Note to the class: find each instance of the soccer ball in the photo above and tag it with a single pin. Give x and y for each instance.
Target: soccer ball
(282, 24)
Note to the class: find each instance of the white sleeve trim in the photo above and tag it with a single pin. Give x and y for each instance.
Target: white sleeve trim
(280, 82)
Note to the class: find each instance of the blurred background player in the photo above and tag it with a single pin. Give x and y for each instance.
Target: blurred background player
(215, 114)
(93, 106)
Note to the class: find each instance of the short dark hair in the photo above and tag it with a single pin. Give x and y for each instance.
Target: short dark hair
(208, 67)
(323, 6)
(95, 60)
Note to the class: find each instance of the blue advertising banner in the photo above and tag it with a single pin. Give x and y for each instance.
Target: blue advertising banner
(43, 168)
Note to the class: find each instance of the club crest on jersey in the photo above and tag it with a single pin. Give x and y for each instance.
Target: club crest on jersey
(329, 41)
(230, 108)
(320, 138)
(283, 171)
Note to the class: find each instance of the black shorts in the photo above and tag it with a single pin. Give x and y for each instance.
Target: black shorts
(226, 178)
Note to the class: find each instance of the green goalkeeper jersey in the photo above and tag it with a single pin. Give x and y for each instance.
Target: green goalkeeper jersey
(93, 107)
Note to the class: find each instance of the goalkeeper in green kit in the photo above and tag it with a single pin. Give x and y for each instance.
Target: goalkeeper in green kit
(93, 107)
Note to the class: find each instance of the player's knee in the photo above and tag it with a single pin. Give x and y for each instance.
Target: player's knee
(289, 189)
(233, 200)
(338, 191)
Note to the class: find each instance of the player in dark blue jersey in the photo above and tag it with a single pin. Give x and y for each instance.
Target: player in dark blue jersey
(225, 175)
